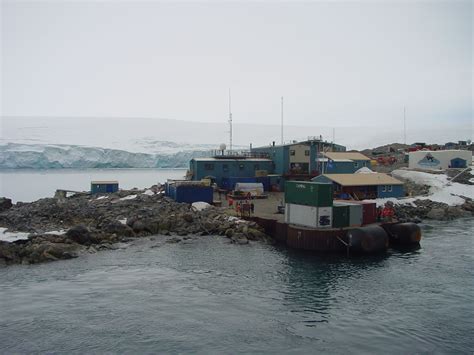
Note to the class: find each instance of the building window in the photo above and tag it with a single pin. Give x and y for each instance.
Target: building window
(356, 165)
(292, 152)
(225, 168)
(384, 188)
(208, 166)
(306, 153)
(389, 188)
(256, 167)
(241, 166)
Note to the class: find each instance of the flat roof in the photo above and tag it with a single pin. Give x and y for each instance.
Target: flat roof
(97, 182)
(363, 179)
(305, 142)
(231, 159)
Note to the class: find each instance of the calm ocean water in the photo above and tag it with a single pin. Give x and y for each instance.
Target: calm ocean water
(205, 296)
(29, 185)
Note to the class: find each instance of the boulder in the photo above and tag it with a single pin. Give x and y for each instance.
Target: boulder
(5, 204)
(457, 212)
(118, 228)
(255, 234)
(81, 235)
(47, 251)
(138, 226)
(437, 214)
(188, 217)
(9, 253)
(239, 238)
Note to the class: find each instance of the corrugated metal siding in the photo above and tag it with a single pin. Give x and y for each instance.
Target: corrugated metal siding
(340, 216)
(309, 193)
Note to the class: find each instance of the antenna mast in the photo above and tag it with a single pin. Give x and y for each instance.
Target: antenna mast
(404, 126)
(230, 123)
(282, 120)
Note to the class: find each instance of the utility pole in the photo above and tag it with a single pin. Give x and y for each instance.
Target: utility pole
(282, 120)
(333, 138)
(230, 122)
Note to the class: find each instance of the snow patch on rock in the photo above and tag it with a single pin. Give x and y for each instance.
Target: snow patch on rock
(129, 197)
(441, 189)
(12, 236)
(199, 206)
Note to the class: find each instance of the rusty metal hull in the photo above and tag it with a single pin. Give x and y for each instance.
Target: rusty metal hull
(315, 239)
(365, 240)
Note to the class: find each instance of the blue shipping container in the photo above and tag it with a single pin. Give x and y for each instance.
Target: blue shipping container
(191, 193)
(265, 181)
(101, 187)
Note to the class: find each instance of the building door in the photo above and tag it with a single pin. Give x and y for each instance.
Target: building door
(458, 163)
(109, 188)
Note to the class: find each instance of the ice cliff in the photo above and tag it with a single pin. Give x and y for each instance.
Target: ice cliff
(31, 156)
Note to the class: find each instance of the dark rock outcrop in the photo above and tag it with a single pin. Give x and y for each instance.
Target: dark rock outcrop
(95, 224)
(5, 204)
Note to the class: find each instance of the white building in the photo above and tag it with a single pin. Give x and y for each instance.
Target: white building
(439, 159)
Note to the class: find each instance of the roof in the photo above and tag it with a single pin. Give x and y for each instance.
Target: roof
(346, 155)
(104, 182)
(325, 160)
(373, 179)
(232, 159)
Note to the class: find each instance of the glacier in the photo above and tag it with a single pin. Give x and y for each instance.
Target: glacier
(75, 142)
(38, 156)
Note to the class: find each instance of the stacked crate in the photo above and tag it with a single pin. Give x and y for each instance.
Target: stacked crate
(308, 204)
(360, 213)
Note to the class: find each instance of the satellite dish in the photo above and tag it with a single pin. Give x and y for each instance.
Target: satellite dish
(222, 146)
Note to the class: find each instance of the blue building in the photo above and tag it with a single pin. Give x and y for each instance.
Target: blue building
(297, 159)
(342, 162)
(363, 186)
(102, 187)
(226, 171)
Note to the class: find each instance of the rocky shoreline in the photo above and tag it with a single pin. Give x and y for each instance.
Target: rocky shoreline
(93, 223)
(63, 228)
(422, 209)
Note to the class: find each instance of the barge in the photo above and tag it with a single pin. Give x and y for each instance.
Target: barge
(314, 221)
(367, 239)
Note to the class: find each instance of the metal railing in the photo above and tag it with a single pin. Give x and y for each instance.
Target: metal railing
(238, 154)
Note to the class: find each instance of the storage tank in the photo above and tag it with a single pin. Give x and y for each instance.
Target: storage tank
(254, 188)
(367, 240)
(403, 233)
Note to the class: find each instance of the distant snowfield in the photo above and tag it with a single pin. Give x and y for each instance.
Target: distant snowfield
(44, 143)
(441, 190)
(164, 136)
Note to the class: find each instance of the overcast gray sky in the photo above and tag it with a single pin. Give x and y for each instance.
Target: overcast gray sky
(336, 63)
